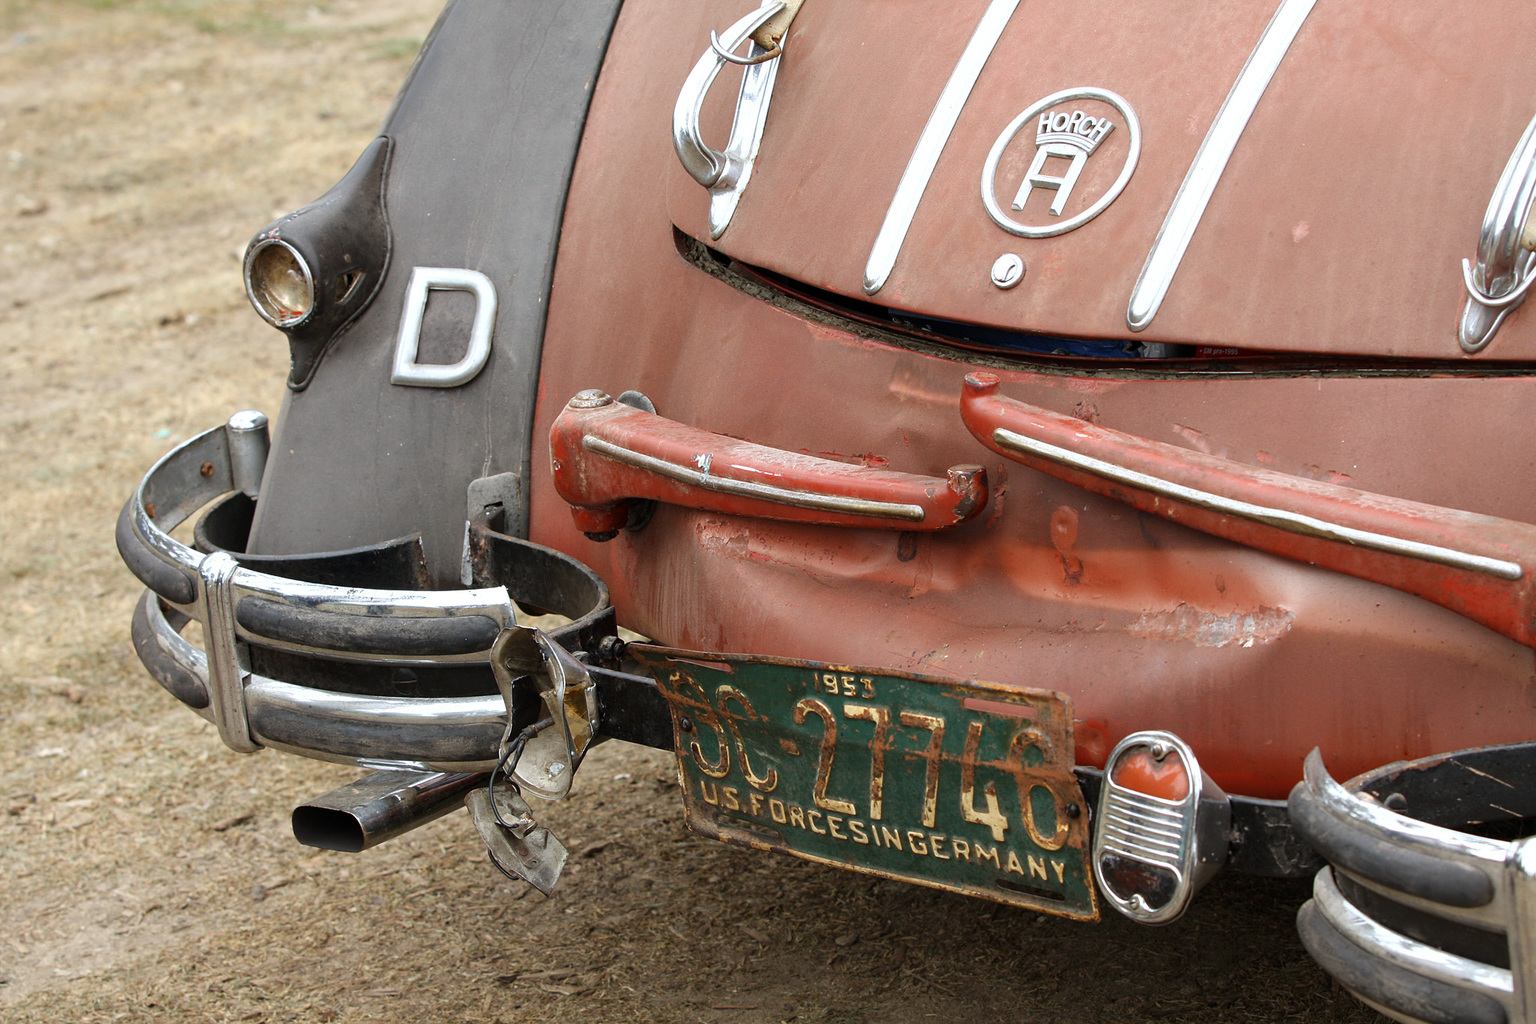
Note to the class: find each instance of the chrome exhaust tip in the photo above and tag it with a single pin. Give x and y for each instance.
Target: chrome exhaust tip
(379, 807)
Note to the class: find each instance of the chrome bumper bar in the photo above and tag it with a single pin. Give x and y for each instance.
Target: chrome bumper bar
(1423, 922)
(242, 609)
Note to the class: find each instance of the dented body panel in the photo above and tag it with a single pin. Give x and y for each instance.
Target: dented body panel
(1065, 417)
(1145, 623)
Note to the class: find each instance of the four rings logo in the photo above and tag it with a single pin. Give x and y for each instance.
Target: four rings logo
(1069, 134)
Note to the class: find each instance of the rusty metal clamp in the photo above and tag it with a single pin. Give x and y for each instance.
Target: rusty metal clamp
(550, 756)
(518, 846)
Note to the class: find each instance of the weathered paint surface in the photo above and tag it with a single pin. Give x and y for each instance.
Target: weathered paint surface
(1022, 594)
(1304, 246)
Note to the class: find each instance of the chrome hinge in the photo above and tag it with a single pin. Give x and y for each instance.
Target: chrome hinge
(726, 173)
(1498, 283)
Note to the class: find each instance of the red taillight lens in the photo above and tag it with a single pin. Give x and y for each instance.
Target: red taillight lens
(1139, 770)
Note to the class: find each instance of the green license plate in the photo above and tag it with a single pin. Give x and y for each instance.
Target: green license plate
(966, 786)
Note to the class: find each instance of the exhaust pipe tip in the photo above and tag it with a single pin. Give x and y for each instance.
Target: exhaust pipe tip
(328, 828)
(379, 807)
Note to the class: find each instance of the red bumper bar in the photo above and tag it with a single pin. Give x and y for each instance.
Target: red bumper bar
(605, 454)
(1478, 566)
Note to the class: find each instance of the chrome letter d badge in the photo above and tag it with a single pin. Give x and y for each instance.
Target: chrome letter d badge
(1069, 134)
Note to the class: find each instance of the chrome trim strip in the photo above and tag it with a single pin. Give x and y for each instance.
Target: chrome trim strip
(177, 486)
(1282, 519)
(747, 489)
(428, 733)
(1401, 951)
(226, 674)
(1520, 894)
(1189, 205)
(930, 144)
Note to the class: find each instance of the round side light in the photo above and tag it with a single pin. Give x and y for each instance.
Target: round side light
(279, 283)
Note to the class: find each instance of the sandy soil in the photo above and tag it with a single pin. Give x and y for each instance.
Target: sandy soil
(148, 873)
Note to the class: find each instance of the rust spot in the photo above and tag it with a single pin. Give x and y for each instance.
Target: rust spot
(1086, 411)
(999, 478)
(970, 483)
(206, 469)
(1064, 536)
(1263, 625)
(149, 509)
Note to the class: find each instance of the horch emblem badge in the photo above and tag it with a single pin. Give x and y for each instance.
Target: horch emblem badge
(1068, 132)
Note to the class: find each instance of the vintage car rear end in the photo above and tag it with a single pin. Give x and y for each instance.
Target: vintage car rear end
(1025, 432)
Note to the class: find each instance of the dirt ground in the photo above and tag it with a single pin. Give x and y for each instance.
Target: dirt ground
(149, 874)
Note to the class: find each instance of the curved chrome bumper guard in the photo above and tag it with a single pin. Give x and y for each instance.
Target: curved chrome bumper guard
(1415, 919)
(239, 607)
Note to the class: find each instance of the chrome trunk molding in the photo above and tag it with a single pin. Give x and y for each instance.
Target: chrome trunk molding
(930, 144)
(1211, 160)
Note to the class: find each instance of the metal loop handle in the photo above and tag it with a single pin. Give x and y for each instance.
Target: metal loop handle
(1478, 294)
(707, 166)
(746, 62)
(1502, 264)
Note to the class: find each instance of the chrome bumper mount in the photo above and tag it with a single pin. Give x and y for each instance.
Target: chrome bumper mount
(1421, 917)
(248, 615)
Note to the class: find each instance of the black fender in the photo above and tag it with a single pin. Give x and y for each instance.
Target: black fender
(483, 138)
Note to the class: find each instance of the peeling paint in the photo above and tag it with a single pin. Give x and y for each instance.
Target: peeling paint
(1199, 440)
(1205, 629)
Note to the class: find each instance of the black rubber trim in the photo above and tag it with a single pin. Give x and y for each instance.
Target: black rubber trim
(401, 636)
(167, 579)
(1481, 944)
(183, 684)
(1393, 987)
(541, 579)
(1406, 870)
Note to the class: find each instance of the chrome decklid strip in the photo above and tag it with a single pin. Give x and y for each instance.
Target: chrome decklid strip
(1211, 160)
(930, 144)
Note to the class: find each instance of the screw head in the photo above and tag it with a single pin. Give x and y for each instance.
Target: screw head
(685, 723)
(1008, 270)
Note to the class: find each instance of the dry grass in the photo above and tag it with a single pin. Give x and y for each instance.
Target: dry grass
(149, 875)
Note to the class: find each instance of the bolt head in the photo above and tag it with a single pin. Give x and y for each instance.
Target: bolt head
(592, 398)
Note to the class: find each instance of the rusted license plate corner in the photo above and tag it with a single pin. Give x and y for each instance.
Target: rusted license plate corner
(964, 786)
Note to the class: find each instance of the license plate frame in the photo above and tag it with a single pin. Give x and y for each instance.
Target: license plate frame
(961, 785)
